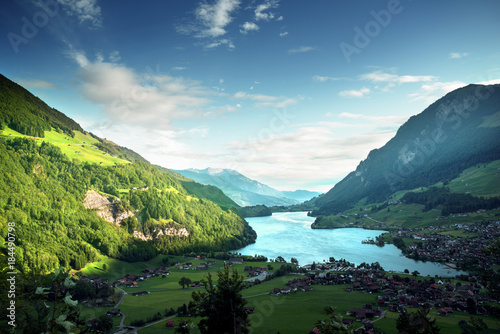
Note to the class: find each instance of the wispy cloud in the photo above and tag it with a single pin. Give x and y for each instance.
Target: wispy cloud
(114, 56)
(283, 34)
(458, 55)
(355, 93)
(383, 77)
(262, 11)
(36, 84)
(248, 26)
(433, 91)
(84, 10)
(398, 120)
(319, 78)
(224, 41)
(302, 49)
(262, 100)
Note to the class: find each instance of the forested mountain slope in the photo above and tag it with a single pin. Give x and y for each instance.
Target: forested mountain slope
(42, 191)
(458, 131)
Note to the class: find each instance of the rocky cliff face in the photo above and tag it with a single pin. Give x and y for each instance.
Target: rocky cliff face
(170, 231)
(106, 207)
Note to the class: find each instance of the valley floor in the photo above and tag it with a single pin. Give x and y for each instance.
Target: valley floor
(287, 312)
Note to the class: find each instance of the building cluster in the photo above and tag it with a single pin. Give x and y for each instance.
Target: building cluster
(433, 245)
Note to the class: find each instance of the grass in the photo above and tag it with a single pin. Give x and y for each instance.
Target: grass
(298, 312)
(81, 147)
(448, 324)
(294, 313)
(479, 180)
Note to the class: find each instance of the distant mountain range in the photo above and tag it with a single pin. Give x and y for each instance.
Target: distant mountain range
(460, 130)
(245, 191)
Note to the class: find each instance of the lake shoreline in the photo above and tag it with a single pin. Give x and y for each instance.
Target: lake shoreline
(290, 235)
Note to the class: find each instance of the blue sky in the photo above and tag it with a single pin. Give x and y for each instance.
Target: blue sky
(292, 93)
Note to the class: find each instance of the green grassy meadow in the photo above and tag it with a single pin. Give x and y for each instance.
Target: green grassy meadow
(294, 313)
(80, 147)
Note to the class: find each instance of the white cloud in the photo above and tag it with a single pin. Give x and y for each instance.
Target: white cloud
(397, 120)
(380, 77)
(458, 55)
(114, 56)
(433, 91)
(248, 26)
(36, 84)
(302, 49)
(218, 43)
(355, 93)
(179, 68)
(489, 82)
(322, 151)
(84, 10)
(149, 99)
(262, 101)
(213, 18)
(262, 13)
(283, 34)
(320, 78)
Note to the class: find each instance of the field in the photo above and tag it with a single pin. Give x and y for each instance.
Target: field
(81, 147)
(294, 313)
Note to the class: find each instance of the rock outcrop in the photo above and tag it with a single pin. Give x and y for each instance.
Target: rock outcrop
(106, 207)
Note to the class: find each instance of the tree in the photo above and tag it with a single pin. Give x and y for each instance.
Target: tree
(222, 306)
(407, 271)
(415, 273)
(104, 267)
(332, 325)
(280, 259)
(294, 261)
(184, 281)
(417, 323)
(105, 323)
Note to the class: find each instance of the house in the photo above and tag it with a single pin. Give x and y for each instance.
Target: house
(275, 292)
(91, 322)
(236, 260)
(314, 331)
(114, 312)
(201, 267)
(249, 309)
(170, 323)
(140, 293)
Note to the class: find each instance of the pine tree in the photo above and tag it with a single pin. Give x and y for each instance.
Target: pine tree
(222, 306)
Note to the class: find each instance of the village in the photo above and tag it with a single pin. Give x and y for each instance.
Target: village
(394, 292)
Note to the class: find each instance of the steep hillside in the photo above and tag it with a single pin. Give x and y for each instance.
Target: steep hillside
(27, 114)
(245, 191)
(458, 131)
(73, 197)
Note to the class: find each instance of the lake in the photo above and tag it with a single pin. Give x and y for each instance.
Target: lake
(290, 235)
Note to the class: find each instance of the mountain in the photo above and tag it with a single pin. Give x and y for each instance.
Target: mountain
(71, 196)
(454, 133)
(244, 191)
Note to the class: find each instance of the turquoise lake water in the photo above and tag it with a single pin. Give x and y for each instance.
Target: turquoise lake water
(290, 235)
